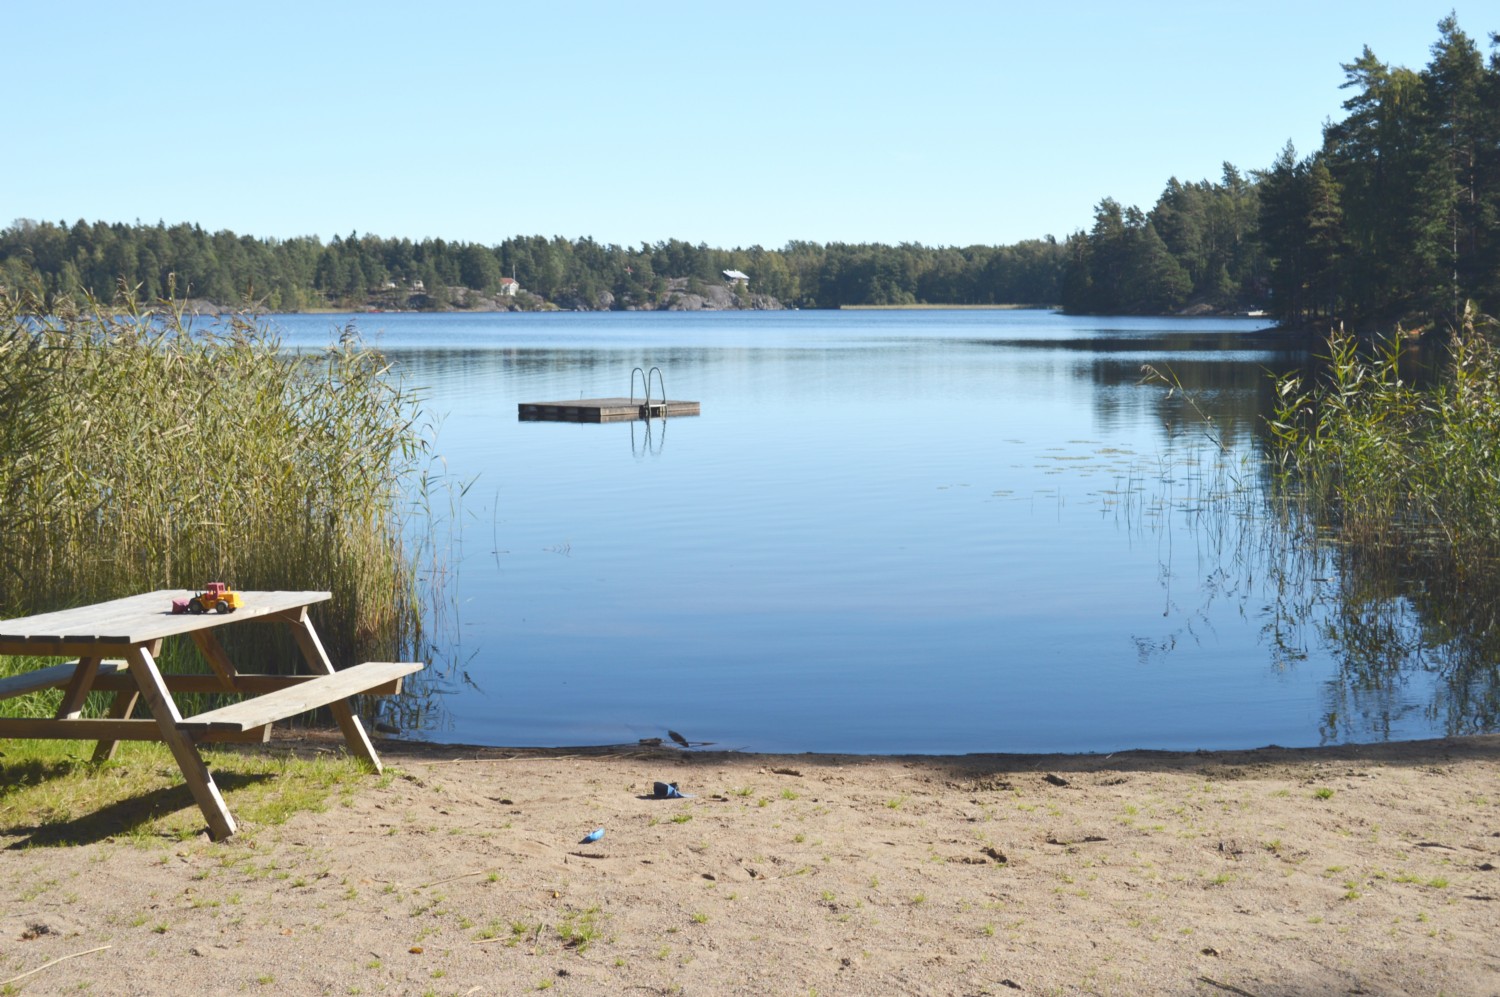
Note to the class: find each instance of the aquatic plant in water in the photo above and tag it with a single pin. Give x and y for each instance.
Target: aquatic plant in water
(1394, 464)
(1402, 484)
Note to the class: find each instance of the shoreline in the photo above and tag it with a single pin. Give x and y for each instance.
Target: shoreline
(1465, 745)
(919, 306)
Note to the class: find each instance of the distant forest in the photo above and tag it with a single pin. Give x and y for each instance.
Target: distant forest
(1395, 219)
(58, 261)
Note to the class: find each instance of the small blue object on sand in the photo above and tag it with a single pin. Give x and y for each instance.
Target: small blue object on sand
(668, 791)
(592, 836)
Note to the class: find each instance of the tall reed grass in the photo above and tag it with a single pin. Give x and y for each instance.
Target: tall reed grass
(1395, 466)
(1402, 483)
(144, 451)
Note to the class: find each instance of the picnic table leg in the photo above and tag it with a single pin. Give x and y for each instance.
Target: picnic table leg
(213, 653)
(118, 710)
(317, 660)
(154, 690)
(78, 689)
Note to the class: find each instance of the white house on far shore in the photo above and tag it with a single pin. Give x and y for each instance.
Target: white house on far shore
(508, 287)
(735, 277)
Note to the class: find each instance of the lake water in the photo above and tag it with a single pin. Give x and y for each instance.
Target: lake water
(888, 531)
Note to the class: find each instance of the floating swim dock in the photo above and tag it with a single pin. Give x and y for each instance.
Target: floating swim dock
(604, 410)
(611, 409)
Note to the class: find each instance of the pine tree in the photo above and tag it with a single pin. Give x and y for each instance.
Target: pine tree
(1324, 249)
(1457, 130)
(1283, 215)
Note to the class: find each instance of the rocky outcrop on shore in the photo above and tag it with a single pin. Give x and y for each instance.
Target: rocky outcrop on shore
(714, 298)
(207, 308)
(682, 294)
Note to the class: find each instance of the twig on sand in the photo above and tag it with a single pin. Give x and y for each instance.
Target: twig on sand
(451, 879)
(1231, 988)
(54, 962)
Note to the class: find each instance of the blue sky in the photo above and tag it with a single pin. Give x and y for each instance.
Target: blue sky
(732, 124)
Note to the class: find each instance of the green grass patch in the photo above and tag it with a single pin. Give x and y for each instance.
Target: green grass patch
(581, 928)
(52, 794)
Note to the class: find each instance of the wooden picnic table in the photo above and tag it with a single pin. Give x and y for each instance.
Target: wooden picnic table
(115, 645)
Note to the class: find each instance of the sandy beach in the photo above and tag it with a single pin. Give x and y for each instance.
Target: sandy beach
(1349, 870)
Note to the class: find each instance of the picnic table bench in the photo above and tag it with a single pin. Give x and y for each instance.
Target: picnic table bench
(115, 645)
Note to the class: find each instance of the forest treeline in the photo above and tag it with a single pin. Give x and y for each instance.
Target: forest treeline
(1397, 216)
(1395, 219)
(55, 261)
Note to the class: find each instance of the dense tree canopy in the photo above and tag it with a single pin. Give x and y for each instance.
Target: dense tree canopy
(1395, 219)
(58, 261)
(1197, 245)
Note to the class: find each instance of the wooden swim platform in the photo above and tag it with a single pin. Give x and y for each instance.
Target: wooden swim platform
(612, 409)
(605, 410)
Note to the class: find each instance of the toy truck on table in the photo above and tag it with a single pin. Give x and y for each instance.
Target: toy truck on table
(216, 596)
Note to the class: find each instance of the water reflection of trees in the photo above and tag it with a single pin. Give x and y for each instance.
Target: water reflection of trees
(1401, 614)
(1412, 636)
(1232, 375)
(1410, 639)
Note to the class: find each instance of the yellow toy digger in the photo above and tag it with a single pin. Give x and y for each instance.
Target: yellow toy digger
(217, 597)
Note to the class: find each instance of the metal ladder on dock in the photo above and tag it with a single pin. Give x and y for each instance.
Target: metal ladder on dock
(647, 409)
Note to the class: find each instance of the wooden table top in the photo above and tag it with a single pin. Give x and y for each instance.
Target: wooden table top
(138, 619)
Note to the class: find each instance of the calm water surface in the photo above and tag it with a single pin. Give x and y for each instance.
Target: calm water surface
(908, 531)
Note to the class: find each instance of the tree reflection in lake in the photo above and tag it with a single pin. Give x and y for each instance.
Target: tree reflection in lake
(1397, 618)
